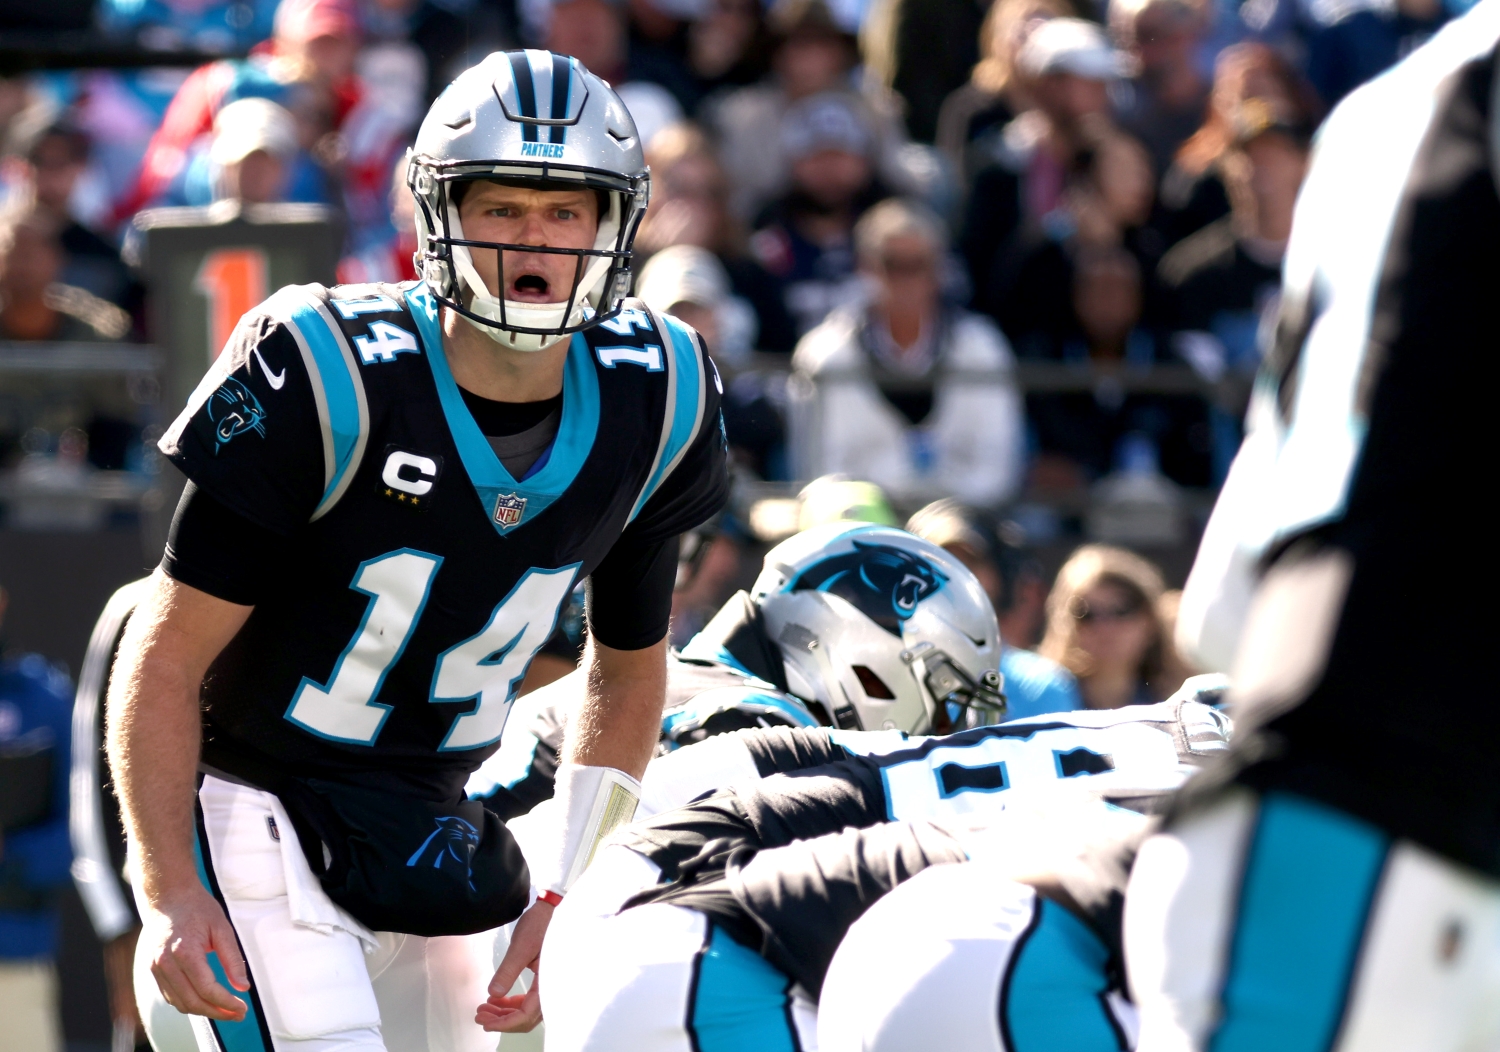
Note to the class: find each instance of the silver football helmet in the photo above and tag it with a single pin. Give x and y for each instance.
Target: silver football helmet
(884, 629)
(528, 117)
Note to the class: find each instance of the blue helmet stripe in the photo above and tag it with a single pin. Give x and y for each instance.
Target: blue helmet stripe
(520, 69)
(562, 92)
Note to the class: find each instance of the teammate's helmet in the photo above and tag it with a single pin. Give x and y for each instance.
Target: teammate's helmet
(886, 630)
(528, 117)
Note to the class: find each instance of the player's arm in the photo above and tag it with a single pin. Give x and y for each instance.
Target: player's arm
(154, 734)
(250, 440)
(613, 733)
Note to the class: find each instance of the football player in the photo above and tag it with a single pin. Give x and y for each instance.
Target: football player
(632, 977)
(1338, 886)
(848, 625)
(1016, 950)
(393, 490)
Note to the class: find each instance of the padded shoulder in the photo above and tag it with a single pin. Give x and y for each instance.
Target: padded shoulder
(308, 312)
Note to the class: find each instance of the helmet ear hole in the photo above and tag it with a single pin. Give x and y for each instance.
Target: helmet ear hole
(873, 685)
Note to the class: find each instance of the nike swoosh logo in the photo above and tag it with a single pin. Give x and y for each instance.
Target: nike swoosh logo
(274, 379)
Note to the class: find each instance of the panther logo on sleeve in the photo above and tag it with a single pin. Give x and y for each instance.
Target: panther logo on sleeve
(234, 409)
(884, 582)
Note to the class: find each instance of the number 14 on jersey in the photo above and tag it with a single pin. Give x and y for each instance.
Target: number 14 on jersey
(486, 668)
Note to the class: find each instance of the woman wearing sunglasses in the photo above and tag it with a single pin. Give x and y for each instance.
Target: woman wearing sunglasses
(1103, 626)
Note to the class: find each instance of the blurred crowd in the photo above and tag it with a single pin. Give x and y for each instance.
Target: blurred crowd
(893, 201)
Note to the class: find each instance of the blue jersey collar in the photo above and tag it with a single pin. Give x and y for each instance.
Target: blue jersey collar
(507, 502)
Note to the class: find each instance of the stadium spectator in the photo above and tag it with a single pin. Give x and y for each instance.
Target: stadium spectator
(973, 114)
(449, 37)
(54, 164)
(392, 258)
(374, 136)
(806, 238)
(1192, 190)
(906, 390)
(34, 303)
(250, 157)
(308, 67)
(1367, 41)
(1103, 626)
(813, 55)
(1033, 684)
(1107, 202)
(1069, 64)
(920, 51)
(36, 705)
(1078, 435)
(1222, 280)
(689, 206)
(1167, 96)
(728, 45)
(691, 283)
(596, 33)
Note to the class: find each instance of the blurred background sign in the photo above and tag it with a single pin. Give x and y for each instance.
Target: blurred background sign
(207, 266)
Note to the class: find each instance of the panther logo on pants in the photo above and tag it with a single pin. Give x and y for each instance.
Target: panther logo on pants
(450, 848)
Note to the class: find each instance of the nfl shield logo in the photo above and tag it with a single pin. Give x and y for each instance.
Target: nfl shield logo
(509, 509)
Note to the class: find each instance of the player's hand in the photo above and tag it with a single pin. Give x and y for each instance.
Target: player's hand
(518, 1015)
(180, 932)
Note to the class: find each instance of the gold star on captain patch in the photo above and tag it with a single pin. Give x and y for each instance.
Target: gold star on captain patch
(388, 492)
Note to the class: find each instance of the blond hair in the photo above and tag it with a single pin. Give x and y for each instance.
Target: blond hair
(1088, 567)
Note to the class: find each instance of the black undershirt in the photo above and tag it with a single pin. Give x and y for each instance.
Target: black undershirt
(498, 419)
(221, 552)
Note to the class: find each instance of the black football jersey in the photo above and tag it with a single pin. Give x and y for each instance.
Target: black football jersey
(419, 578)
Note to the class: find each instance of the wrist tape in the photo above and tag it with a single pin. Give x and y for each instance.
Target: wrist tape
(592, 802)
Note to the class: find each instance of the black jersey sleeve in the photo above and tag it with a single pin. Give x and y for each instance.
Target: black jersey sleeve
(793, 904)
(252, 435)
(779, 750)
(629, 595)
(697, 839)
(217, 550)
(803, 897)
(694, 481)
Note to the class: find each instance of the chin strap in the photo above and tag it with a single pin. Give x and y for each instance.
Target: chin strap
(593, 802)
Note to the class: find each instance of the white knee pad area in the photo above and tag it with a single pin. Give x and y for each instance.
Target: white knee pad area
(922, 968)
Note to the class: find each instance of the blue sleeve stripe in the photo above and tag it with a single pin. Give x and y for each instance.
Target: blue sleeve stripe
(685, 401)
(315, 381)
(337, 387)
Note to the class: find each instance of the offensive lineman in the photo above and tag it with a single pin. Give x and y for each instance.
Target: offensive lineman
(850, 625)
(638, 977)
(393, 490)
(1339, 887)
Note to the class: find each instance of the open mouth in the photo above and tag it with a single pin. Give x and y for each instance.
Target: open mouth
(531, 288)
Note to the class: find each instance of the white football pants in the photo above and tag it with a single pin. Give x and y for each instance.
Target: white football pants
(961, 958)
(1277, 922)
(319, 983)
(658, 978)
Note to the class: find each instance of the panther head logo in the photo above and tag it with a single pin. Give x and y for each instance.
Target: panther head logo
(450, 848)
(884, 582)
(234, 409)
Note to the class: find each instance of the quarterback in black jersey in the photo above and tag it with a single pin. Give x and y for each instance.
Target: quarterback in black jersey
(393, 491)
